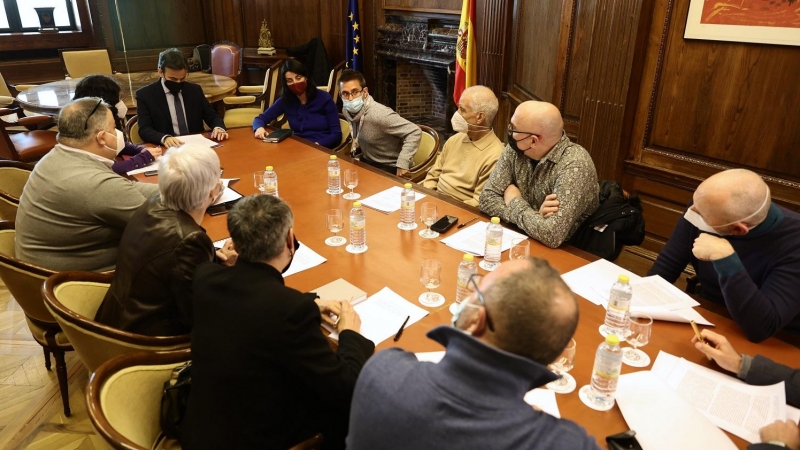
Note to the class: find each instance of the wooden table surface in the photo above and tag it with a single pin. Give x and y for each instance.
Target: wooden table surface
(49, 98)
(394, 257)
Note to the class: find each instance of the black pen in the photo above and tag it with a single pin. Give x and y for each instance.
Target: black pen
(400, 331)
(467, 222)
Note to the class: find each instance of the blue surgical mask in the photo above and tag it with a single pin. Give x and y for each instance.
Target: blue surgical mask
(353, 106)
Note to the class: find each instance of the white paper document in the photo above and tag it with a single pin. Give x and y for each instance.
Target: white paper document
(304, 259)
(473, 239)
(228, 195)
(152, 166)
(543, 399)
(383, 313)
(198, 139)
(729, 403)
(593, 281)
(388, 201)
(433, 357)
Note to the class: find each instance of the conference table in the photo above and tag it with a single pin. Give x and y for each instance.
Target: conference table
(49, 98)
(394, 256)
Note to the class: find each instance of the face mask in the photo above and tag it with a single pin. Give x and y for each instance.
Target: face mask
(459, 123)
(122, 110)
(173, 86)
(291, 258)
(353, 105)
(695, 219)
(298, 88)
(120, 142)
(513, 144)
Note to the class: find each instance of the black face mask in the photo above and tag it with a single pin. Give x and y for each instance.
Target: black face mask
(296, 248)
(513, 144)
(174, 86)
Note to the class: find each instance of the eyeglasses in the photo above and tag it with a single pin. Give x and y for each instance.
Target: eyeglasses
(353, 94)
(511, 130)
(473, 282)
(86, 125)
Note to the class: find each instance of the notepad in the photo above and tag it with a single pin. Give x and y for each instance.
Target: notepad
(341, 289)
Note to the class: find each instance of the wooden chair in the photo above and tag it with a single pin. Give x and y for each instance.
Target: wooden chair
(226, 60)
(243, 116)
(81, 62)
(346, 142)
(132, 130)
(8, 207)
(13, 176)
(426, 155)
(6, 98)
(24, 281)
(73, 298)
(27, 146)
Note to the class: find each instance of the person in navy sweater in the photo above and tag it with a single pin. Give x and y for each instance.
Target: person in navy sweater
(745, 250)
(311, 112)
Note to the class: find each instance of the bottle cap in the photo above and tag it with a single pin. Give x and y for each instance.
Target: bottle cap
(408, 185)
(269, 167)
(356, 204)
(495, 220)
(612, 339)
(468, 257)
(623, 279)
(333, 157)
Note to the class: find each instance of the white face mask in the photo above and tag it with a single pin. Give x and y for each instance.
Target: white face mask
(695, 219)
(120, 142)
(459, 123)
(122, 110)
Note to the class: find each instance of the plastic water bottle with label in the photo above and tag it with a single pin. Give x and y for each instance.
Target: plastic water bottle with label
(600, 393)
(494, 245)
(407, 208)
(334, 176)
(619, 308)
(358, 230)
(270, 182)
(466, 269)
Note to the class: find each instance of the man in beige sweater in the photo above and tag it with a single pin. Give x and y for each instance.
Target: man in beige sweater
(468, 158)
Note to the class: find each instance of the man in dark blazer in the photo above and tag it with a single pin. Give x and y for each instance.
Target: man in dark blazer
(173, 107)
(263, 374)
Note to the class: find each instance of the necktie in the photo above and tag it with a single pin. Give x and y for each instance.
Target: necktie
(182, 129)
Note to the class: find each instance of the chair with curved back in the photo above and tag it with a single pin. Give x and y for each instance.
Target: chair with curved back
(24, 281)
(243, 116)
(27, 146)
(13, 176)
(226, 59)
(347, 139)
(74, 297)
(132, 130)
(8, 206)
(81, 62)
(426, 154)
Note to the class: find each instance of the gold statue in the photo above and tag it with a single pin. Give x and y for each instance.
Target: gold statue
(265, 46)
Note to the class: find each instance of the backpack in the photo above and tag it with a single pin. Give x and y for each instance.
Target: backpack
(617, 221)
(174, 400)
(201, 59)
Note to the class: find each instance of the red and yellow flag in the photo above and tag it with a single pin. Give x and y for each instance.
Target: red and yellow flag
(466, 73)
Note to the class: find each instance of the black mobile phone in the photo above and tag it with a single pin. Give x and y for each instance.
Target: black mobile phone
(217, 210)
(151, 173)
(444, 224)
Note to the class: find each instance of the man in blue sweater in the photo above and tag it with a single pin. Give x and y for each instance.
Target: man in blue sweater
(517, 320)
(745, 251)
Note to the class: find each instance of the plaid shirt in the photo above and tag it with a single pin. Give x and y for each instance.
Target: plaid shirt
(567, 171)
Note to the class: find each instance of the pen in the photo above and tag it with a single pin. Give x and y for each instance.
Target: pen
(699, 337)
(400, 331)
(467, 222)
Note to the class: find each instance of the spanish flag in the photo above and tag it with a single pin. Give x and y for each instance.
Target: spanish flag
(466, 74)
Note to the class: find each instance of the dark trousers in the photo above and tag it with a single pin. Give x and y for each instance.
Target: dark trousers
(384, 167)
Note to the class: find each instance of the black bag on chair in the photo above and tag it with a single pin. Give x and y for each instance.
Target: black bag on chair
(201, 59)
(173, 403)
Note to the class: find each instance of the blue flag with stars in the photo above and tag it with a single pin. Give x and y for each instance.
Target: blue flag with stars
(353, 43)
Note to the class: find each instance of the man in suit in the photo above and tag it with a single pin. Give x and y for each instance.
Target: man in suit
(174, 107)
(263, 374)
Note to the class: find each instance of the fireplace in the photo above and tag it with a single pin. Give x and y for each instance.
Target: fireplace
(415, 69)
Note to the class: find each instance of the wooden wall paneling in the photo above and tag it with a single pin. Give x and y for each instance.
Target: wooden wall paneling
(576, 65)
(369, 15)
(152, 24)
(292, 23)
(225, 21)
(491, 38)
(439, 6)
(333, 31)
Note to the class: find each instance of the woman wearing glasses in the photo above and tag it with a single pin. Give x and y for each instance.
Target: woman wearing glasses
(311, 112)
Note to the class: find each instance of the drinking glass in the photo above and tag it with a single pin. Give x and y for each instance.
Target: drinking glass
(335, 225)
(258, 181)
(561, 366)
(351, 181)
(520, 248)
(428, 216)
(641, 327)
(430, 275)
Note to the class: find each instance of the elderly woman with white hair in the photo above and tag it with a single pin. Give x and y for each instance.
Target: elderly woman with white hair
(163, 243)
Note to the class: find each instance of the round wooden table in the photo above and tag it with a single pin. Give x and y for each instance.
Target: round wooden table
(49, 98)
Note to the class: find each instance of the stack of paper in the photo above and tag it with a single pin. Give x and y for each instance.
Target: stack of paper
(198, 139)
(340, 289)
(388, 201)
(304, 258)
(473, 239)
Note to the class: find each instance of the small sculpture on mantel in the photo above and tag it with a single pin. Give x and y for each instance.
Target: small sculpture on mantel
(265, 46)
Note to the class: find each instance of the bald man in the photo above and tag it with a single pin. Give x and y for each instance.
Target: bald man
(745, 251)
(517, 320)
(543, 183)
(467, 159)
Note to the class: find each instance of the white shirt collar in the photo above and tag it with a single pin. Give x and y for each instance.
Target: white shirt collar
(102, 159)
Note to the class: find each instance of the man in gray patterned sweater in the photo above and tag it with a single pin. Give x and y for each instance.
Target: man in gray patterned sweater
(543, 183)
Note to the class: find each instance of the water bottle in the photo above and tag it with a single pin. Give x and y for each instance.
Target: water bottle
(619, 307)
(407, 208)
(270, 182)
(358, 227)
(607, 365)
(334, 176)
(494, 245)
(466, 269)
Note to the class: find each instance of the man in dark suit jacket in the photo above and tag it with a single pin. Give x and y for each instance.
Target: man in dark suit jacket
(263, 374)
(173, 107)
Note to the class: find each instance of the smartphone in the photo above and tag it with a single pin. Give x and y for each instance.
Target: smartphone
(151, 173)
(217, 210)
(444, 224)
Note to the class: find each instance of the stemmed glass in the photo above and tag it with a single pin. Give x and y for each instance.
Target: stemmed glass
(520, 249)
(561, 366)
(351, 181)
(638, 335)
(428, 216)
(430, 275)
(335, 225)
(258, 181)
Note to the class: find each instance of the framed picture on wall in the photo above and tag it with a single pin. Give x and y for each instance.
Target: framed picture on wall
(757, 21)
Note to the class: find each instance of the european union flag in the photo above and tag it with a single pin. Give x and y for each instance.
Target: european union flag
(353, 42)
